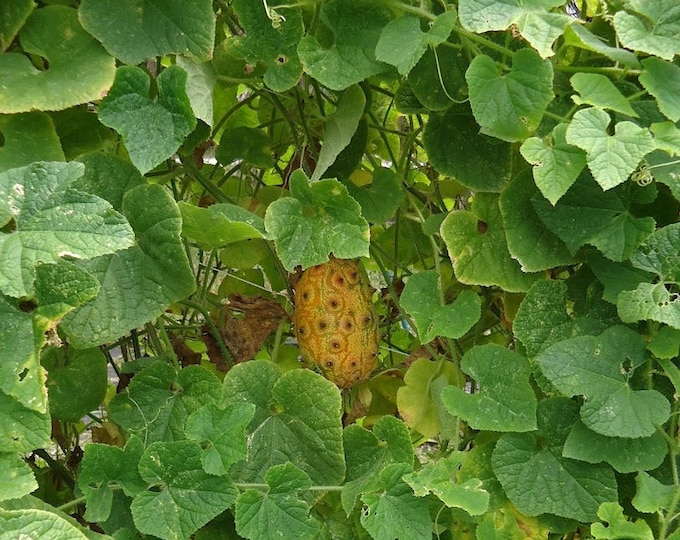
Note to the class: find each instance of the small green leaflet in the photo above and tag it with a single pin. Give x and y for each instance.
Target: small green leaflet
(148, 28)
(556, 163)
(652, 26)
(578, 35)
(351, 57)
(402, 42)
(275, 48)
(616, 526)
(181, 497)
(661, 79)
(152, 129)
(611, 158)
(599, 91)
(527, 472)
(339, 129)
(651, 495)
(279, 512)
(537, 24)
(505, 401)
(394, 511)
(510, 106)
(320, 218)
(421, 300)
(382, 198)
(79, 71)
(598, 368)
(219, 224)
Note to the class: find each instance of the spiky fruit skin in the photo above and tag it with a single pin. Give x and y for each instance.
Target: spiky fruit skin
(335, 321)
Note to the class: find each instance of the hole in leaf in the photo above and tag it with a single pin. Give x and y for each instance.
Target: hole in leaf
(482, 227)
(23, 374)
(281, 59)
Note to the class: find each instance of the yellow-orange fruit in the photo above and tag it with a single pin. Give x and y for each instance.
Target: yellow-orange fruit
(335, 321)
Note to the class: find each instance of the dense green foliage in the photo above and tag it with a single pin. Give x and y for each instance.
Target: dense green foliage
(509, 172)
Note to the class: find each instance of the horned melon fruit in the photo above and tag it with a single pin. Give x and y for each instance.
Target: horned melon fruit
(335, 321)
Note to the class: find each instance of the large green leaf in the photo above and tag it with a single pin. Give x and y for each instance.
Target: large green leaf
(607, 220)
(356, 26)
(159, 400)
(402, 42)
(320, 218)
(156, 270)
(297, 418)
(598, 368)
(538, 481)
(505, 400)
(477, 246)
(17, 478)
(382, 198)
(599, 91)
(152, 129)
(272, 45)
(510, 106)
(533, 19)
(661, 79)
(181, 497)
(79, 68)
(220, 224)
(652, 27)
(31, 523)
(28, 137)
(279, 512)
(421, 300)
(135, 30)
(578, 35)
(611, 158)
(53, 220)
(456, 148)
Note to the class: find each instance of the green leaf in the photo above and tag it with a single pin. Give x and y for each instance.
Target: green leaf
(660, 78)
(666, 137)
(528, 473)
(220, 224)
(339, 128)
(653, 29)
(510, 106)
(665, 344)
(533, 19)
(297, 418)
(61, 287)
(152, 130)
(598, 369)
(158, 401)
(419, 400)
(156, 270)
(221, 432)
(607, 220)
(616, 526)
(421, 299)
(367, 453)
(651, 495)
(616, 277)
(579, 36)
(106, 468)
(200, 83)
(625, 455)
(659, 254)
(31, 523)
(278, 513)
(250, 145)
(147, 28)
(505, 400)
(79, 68)
(21, 376)
(530, 242)
(28, 137)
(557, 164)
(439, 478)
(394, 511)
(53, 220)
(13, 14)
(22, 429)
(402, 42)
(597, 90)
(182, 496)
(437, 81)
(17, 477)
(477, 247)
(76, 381)
(382, 198)
(356, 26)
(80, 132)
(273, 45)
(320, 218)
(611, 158)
